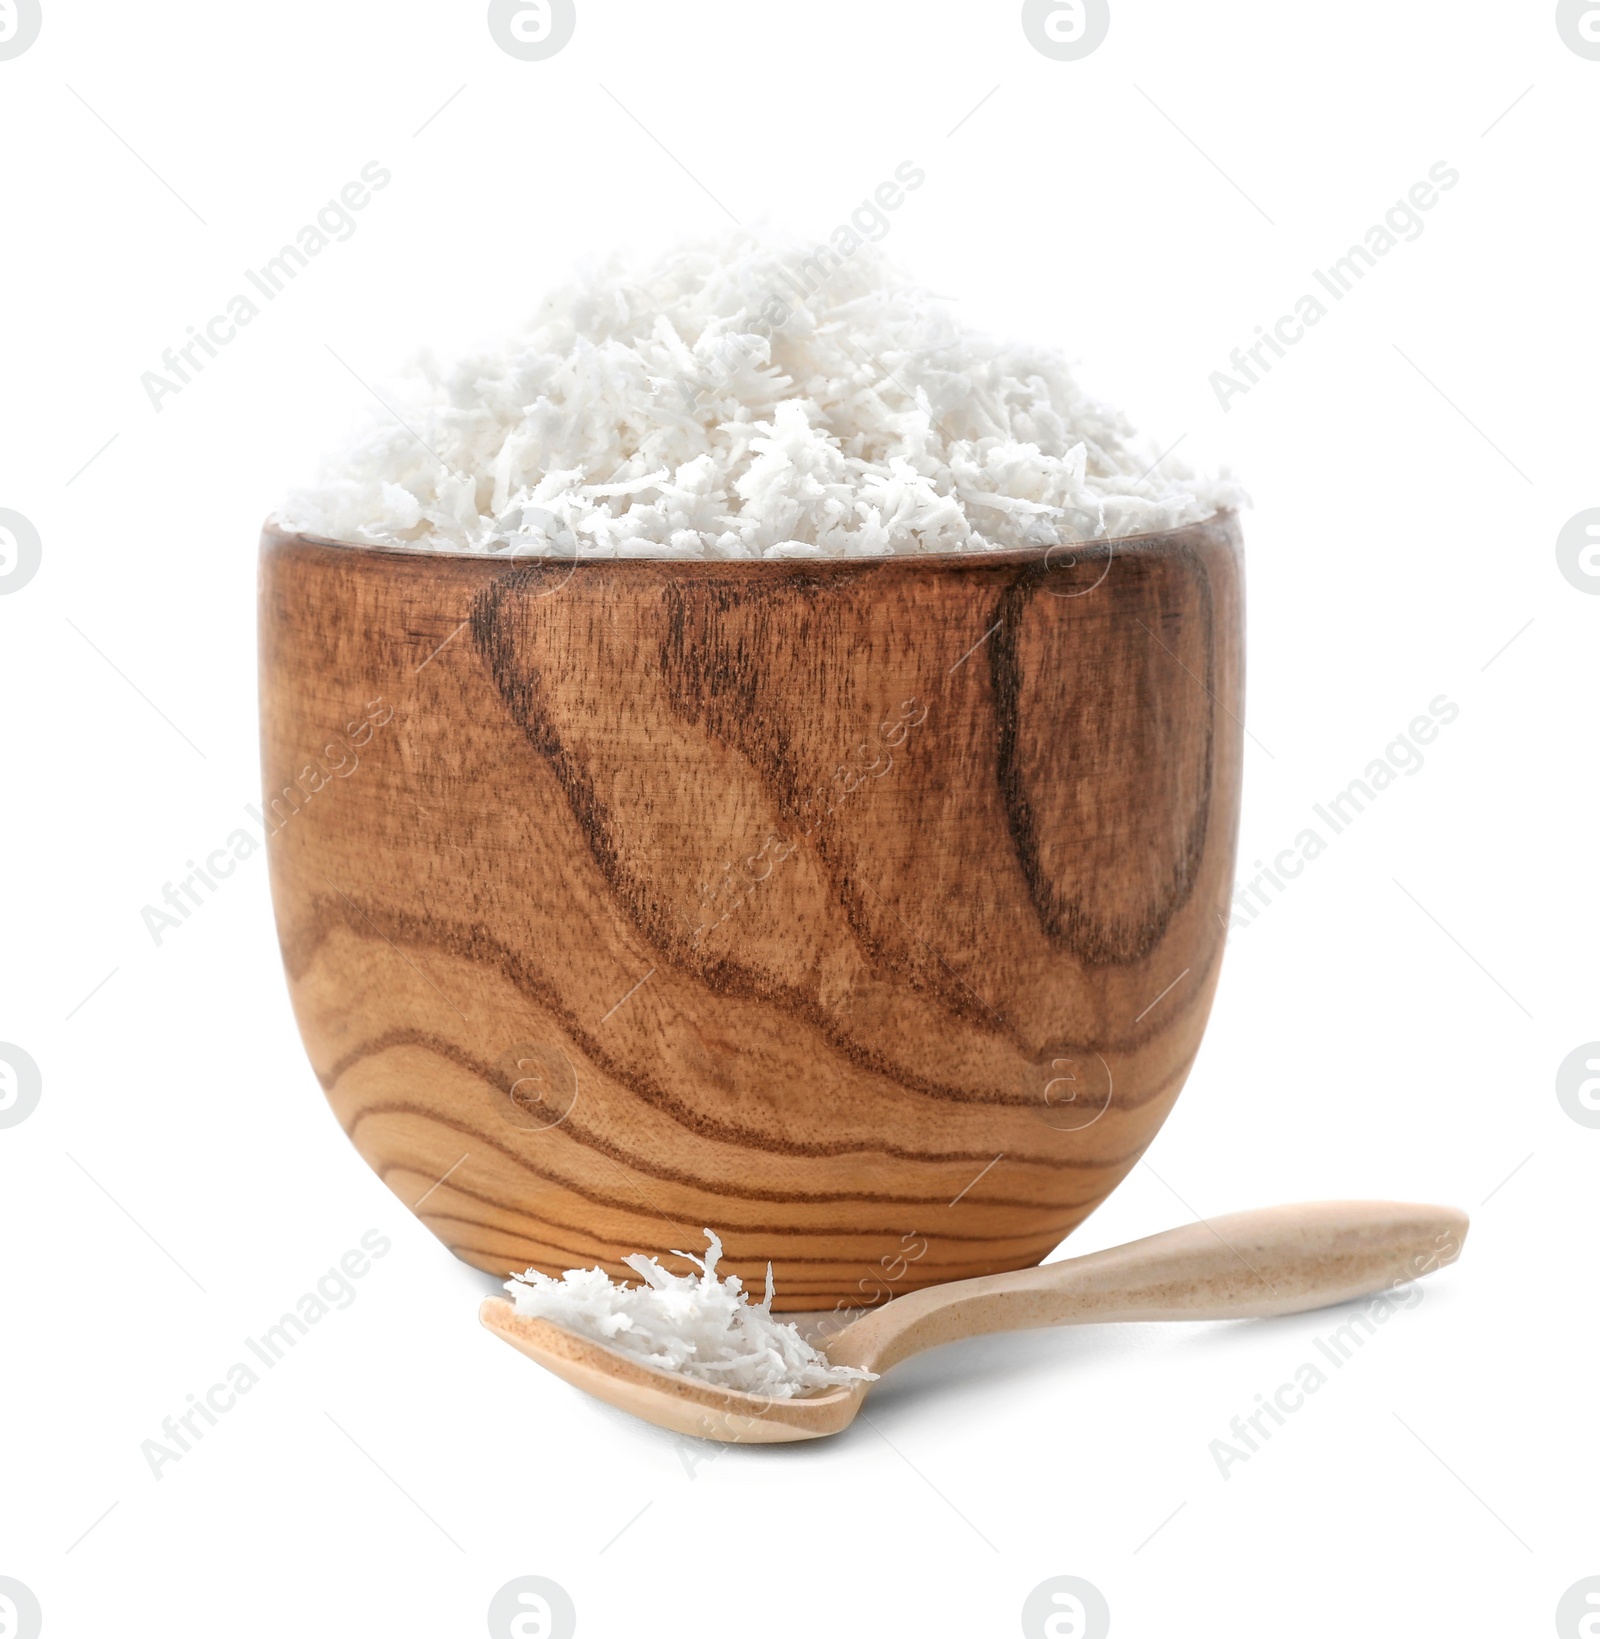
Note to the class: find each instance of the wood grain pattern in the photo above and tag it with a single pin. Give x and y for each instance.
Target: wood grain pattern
(868, 912)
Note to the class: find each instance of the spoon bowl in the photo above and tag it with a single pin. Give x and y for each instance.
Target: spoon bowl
(671, 1400)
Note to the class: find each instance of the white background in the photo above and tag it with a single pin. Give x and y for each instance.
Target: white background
(1390, 1028)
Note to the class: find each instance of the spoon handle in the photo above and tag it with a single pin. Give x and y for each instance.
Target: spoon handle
(1273, 1262)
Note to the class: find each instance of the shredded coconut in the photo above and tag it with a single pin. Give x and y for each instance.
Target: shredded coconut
(697, 1325)
(743, 400)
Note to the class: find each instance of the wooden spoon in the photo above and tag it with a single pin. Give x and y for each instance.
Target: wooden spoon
(1275, 1262)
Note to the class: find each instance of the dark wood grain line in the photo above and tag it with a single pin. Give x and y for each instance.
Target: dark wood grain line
(861, 1263)
(721, 1188)
(741, 1137)
(469, 943)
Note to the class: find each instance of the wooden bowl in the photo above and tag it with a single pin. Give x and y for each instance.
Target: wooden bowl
(866, 911)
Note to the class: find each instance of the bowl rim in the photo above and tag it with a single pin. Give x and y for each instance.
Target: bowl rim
(1222, 523)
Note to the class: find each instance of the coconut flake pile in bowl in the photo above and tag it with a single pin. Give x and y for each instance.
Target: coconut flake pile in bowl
(748, 399)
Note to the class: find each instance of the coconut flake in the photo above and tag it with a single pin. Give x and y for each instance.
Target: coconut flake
(698, 1325)
(700, 408)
